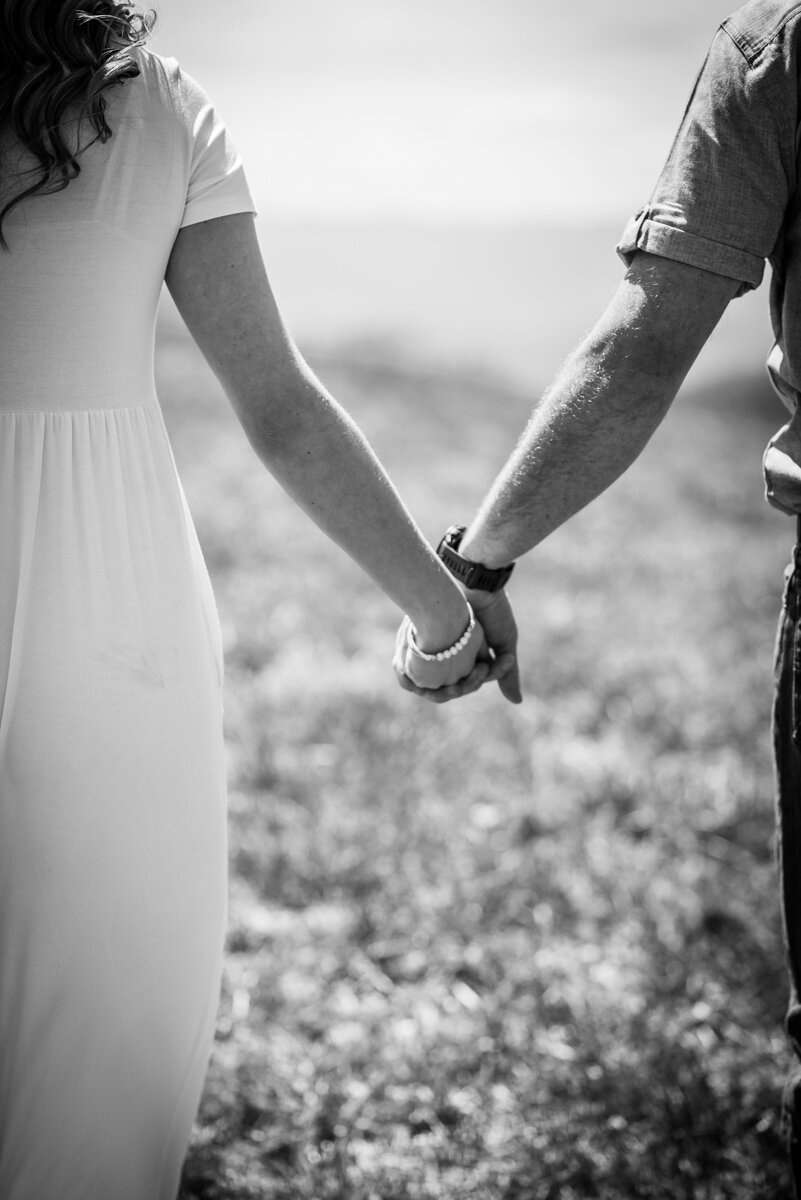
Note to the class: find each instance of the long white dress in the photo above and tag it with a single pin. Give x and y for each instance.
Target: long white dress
(112, 790)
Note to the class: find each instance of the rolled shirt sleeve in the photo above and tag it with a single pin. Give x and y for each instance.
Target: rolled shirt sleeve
(720, 200)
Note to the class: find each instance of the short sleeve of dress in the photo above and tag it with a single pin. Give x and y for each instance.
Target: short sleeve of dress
(217, 186)
(720, 201)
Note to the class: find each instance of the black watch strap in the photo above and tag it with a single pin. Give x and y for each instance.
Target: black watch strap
(470, 574)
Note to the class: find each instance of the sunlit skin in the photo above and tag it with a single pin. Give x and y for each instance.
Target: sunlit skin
(217, 277)
(593, 423)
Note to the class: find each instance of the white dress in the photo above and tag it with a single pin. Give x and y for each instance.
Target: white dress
(112, 790)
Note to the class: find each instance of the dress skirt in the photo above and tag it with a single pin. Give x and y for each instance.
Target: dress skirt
(112, 808)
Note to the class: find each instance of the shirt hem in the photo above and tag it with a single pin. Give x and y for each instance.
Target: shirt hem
(209, 211)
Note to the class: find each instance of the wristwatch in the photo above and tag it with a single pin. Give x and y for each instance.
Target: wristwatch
(470, 574)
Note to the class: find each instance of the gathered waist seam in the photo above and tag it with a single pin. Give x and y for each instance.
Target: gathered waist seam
(152, 402)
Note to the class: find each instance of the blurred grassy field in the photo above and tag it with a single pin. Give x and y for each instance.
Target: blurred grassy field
(481, 951)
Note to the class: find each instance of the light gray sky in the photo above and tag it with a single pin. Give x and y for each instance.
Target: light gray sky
(450, 176)
(479, 110)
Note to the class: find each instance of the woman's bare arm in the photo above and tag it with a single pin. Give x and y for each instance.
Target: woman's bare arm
(217, 278)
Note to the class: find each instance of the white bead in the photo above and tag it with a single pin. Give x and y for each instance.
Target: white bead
(451, 651)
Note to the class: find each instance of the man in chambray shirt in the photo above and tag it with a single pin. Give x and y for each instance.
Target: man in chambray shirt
(727, 200)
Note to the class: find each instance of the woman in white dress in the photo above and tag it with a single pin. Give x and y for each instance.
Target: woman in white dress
(116, 173)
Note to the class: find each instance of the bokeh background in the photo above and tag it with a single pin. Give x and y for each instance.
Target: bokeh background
(485, 951)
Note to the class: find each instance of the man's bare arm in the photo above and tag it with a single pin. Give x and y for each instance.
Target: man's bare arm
(607, 401)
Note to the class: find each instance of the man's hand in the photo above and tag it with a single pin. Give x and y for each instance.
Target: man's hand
(494, 614)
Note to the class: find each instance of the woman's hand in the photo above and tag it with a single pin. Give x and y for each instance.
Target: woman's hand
(427, 671)
(443, 680)
(453, 677)
(494, 661)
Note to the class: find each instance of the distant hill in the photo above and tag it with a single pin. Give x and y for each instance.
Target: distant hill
(499, 308)
(747, 396)
(514, 300)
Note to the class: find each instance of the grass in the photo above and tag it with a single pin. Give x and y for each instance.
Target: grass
(482, 951)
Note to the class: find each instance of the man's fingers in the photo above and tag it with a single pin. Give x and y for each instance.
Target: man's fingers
(454, 691)
(407, 684)
(509, 683)
(506, 673)
(471, 683)
(502, 664)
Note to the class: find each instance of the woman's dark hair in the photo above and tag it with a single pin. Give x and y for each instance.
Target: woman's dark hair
(57, 58)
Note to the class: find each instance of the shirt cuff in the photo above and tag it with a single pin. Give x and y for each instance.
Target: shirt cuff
(643, 232)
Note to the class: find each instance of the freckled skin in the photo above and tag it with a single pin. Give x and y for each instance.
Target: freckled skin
(604, 406)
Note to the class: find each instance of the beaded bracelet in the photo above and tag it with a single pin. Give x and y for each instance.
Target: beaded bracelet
(452, 651)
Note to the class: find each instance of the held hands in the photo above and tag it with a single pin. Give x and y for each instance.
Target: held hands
(434, 677)
(489, 655)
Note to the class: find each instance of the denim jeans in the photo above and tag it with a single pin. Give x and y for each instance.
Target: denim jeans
(787, 750)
